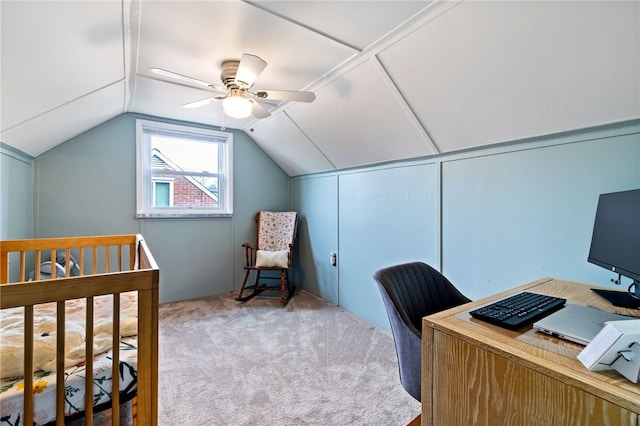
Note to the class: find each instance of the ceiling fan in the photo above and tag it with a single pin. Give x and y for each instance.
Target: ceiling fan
(238, 100)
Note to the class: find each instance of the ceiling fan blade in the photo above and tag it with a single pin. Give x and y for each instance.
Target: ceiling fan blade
(186, 79)
(258, 110)
(181, 77)
(249, 69)
(197, 104)
(285, 95)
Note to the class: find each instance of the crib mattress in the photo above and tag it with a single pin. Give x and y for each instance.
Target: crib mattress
(44, 384)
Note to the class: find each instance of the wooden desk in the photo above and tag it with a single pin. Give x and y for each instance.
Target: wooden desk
(474, 373)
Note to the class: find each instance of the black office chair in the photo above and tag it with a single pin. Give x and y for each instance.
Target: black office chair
(411, 291)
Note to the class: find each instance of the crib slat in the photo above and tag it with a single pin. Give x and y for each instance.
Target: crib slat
(22, 266)
(88, 380)
(115, 362)
(95, 260)
(60, 361)
(4, 267)
(67, 262)
(54, 271)
(28, 365)
(38, 261)
(81, 261)
(134, 254)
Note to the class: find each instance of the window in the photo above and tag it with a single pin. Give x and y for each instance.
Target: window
(162, 193)
(182, 171)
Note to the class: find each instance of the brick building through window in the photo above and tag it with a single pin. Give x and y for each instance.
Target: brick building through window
(171, 190)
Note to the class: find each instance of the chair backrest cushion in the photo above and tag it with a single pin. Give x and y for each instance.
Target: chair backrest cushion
(276, 230)
(417, 290)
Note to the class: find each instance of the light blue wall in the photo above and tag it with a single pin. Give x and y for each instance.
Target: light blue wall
(517, 216)
(86, 186)
(316, 200)
(489, 219)
(15, 194)
(385, 217)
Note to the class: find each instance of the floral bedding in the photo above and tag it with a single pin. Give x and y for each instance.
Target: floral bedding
(44, 353)
(44, 386)
(44, 332)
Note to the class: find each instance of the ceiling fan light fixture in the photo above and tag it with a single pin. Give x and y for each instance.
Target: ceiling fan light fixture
(236, 106)
(237, 78)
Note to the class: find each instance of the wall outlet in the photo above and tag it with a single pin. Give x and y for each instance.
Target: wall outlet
(333, 258)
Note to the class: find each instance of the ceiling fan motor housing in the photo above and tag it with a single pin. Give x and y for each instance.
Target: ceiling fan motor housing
(228, 74)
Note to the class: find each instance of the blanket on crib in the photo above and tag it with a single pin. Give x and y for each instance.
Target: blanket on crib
(75, 387)
(44, 332)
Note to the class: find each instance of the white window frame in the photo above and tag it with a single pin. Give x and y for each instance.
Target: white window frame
(144, 184)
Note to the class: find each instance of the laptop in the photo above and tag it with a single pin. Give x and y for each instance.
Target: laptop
(576, 323)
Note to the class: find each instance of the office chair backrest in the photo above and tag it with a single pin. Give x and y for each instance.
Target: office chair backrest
(411, 291)
(417, 290)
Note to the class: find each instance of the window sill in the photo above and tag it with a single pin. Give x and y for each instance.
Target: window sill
(182, 216)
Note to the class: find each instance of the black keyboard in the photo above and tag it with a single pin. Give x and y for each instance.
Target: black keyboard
(519, 309)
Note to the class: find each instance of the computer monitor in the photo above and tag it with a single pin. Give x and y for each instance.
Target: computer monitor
(615, 243)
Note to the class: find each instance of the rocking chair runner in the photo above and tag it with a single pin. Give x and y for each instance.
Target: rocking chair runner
(273, 252)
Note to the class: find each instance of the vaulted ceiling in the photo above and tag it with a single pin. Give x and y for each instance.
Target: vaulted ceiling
(393, 79)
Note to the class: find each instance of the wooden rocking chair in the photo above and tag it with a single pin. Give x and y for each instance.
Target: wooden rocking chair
(273, 252)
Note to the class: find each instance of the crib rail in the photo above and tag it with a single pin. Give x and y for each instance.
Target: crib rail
(108, 265)
(99, 254)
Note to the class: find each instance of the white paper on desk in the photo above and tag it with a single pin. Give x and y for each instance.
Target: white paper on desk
(604, 349)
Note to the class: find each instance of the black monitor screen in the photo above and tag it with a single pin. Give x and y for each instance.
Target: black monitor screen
(615, 244)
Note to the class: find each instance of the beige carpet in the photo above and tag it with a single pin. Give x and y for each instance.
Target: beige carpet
(258, 363)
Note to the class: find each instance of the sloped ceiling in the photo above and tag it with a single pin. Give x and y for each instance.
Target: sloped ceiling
(393, 79)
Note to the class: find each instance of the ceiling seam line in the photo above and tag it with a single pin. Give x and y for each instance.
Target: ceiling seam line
(301, 25)
(309, 139)
(63, 104)
(125, 92)
(391, 38)
(407, 106)
(133, 53)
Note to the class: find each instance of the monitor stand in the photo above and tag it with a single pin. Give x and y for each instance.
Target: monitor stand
(618, 298)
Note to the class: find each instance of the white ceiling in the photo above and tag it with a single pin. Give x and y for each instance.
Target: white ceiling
(393, 79)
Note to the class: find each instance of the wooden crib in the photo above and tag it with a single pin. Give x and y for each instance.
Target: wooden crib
(110, 266)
